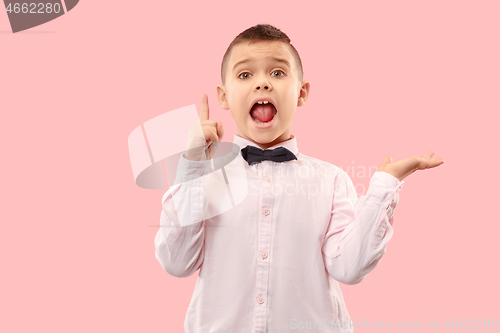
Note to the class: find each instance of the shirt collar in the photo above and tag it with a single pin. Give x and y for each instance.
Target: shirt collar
(290, 144)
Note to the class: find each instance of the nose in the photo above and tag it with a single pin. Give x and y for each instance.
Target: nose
(263, 84)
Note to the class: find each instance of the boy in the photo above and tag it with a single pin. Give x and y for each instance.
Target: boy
(272, 263)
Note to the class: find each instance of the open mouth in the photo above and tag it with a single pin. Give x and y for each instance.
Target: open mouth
(263, 112)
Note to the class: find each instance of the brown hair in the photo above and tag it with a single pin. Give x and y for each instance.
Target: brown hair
(261, 32)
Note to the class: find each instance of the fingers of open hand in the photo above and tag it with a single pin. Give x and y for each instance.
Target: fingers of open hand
(430, 163)
(426, 161)
(428, 155)
(434, 162)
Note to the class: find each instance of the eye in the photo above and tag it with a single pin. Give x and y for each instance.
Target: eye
(279, 71)
(248, 75)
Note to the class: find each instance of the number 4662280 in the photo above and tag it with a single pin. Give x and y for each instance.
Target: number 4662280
(483, 324)
(31, 8)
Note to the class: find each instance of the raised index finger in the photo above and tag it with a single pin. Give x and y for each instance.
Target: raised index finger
(204, 113)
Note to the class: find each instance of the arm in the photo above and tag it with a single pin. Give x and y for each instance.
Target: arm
(359, 229)
(179, 244)
(179, 241)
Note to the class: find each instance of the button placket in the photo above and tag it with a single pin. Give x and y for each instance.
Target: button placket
(263, 245)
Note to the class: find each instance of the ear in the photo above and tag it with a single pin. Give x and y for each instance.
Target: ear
(222, 97)
(304, 93)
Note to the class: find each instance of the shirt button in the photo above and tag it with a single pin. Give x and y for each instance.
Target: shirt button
(263, 255)
(266, 211)
(260, 300)
(199, 171)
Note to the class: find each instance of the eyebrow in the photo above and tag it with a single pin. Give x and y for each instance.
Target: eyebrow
(273, 59)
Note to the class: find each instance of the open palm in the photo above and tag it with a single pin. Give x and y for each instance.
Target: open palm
(405, 167)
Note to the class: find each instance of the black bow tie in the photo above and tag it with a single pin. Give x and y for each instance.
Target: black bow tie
(255, 155)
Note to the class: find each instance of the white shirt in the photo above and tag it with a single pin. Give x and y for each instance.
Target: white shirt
(271, 263)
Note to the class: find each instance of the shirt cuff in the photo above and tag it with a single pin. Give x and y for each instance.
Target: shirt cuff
(383, 185)
(189, 170)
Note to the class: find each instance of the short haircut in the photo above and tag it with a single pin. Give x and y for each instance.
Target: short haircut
(261, 32)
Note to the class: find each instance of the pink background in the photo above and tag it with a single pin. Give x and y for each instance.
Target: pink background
(387, 77)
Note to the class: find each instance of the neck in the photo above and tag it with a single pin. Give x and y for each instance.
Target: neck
(264, 145)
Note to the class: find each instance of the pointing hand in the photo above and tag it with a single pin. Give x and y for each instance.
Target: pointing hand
(211, 132)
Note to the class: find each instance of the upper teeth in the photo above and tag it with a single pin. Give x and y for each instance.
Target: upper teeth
(263, 102)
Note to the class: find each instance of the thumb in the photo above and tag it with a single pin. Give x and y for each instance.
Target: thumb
(387, 159)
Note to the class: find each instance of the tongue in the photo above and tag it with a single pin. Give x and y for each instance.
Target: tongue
(263, 112)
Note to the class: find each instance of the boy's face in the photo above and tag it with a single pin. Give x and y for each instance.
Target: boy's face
(255, 71)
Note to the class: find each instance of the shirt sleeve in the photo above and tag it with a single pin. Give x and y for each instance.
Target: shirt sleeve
(180, 239)
(360, 228)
